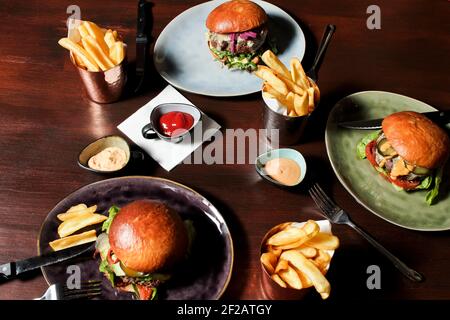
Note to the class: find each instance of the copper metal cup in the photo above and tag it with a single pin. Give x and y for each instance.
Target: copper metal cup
(104, 86)
(290, 129)
(270, 288)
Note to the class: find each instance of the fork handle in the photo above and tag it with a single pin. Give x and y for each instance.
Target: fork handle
(407, 271)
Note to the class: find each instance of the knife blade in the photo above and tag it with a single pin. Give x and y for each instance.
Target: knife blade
(440, 117)
(141, 44)
(13, 269)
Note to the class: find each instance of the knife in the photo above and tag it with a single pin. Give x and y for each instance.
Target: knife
(141, 44)
(440, 117)
(13, 269)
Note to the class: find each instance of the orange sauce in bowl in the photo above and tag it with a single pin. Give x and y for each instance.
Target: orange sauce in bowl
(283, 170)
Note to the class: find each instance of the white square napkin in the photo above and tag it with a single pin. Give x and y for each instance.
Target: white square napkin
(167, 154)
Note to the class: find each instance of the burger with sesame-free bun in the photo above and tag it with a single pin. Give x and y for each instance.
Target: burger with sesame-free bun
(141, 245)
(237, 33)
(410, 152)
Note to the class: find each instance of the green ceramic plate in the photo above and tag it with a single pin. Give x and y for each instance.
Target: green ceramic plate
(408, 210)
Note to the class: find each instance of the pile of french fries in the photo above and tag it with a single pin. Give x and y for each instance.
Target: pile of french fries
(293, 89)
(298, 257)
(74, 219)
(98, 49)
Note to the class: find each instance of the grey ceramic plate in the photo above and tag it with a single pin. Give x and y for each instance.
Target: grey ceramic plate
(183, 58)
(408, 210)
(205, 275)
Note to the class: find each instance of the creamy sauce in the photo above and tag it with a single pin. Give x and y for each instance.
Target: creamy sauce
(284, 171)
(109, 159)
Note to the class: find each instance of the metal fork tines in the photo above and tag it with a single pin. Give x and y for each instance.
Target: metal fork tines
(85, 290)
(337, 215)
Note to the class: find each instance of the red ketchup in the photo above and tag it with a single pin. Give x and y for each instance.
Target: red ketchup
(175, 120)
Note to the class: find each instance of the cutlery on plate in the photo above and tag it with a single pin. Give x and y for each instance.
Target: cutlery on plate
(12, 269)
(312, 72)
(440, 117)
(337, 215)
(86, 290)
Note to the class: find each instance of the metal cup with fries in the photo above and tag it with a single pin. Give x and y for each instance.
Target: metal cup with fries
(290, 97)
(295, 257)
(100, 58)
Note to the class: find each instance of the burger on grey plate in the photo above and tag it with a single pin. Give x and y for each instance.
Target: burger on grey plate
(237, 33)
(410, 152)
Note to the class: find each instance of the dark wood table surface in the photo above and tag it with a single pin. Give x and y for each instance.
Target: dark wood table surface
(45, 120)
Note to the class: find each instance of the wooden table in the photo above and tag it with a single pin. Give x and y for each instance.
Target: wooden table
(46, 120)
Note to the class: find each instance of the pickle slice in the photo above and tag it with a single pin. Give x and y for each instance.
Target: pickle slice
(421, 171)
(385, 149)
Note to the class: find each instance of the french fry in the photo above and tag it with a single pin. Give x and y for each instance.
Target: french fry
(109, 39)
(78, 61)
(78, 222)
(291, 85)
(290, 103)
(78, 207)
(87, 59)
(69, 215)
(310, 270)
(292, 113)
(324, 241)
(323, 258)
(310, 99)
(116, 36)
(275, 277)
(268, 75)
(91, 46)
(269, 260)
(291, 277)
(267, 88)
(308, 252)
(281, 265)
(272, 61)
(82, 30)
(306, 283)
(274, 250)
(96, 33)
(117, 52)
(75, 240)
(294, 234)
(298, 74)
(301, 104)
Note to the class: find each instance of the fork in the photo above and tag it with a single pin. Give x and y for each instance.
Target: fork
(60, 291)
(337, 215)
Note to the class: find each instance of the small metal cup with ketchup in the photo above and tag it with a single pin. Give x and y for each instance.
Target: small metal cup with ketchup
(171, 122)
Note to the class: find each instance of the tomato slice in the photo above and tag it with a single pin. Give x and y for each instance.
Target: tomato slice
(402, 183)
(145, 293)
(111, 259)
(370, 154)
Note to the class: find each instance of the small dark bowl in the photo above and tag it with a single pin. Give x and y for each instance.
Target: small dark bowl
(105, 142)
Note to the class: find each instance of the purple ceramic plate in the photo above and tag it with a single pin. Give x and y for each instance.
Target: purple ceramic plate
(205, 275)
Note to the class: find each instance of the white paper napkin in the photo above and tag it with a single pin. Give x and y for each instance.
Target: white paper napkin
(167, 154)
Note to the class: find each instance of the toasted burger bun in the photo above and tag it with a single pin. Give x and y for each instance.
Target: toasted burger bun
(417, 139)
(236, 16)
(147, 236)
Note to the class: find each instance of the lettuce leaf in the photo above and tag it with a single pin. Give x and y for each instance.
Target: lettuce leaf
(361, 146)
(426, 183)
(433, 193)
(105, 268)
(113, 211)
